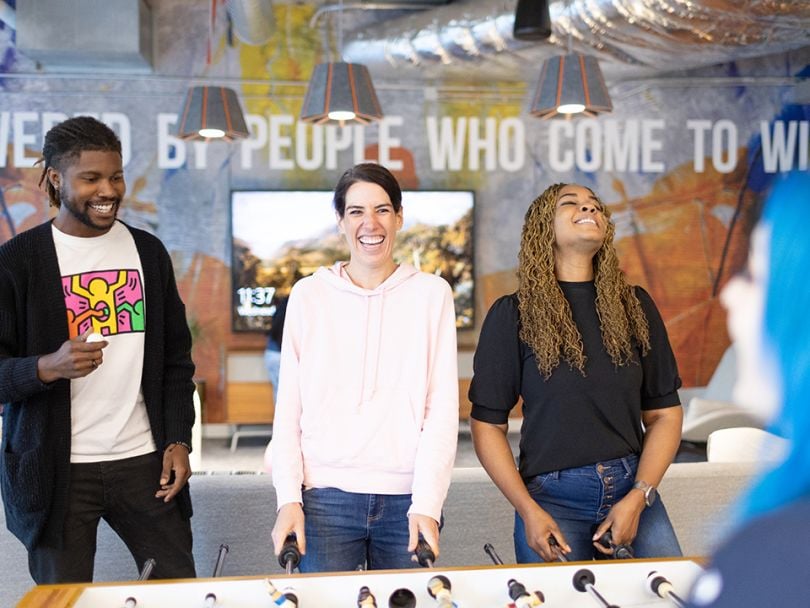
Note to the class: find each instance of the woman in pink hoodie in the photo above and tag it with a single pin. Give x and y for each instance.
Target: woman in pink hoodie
(365, 428)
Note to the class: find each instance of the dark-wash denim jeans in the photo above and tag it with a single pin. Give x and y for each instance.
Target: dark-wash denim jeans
(579, 499)
(349, 531)
(123, 493)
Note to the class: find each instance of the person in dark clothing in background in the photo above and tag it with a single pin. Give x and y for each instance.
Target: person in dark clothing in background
(272, 352)
(590, 358)
(96, 374)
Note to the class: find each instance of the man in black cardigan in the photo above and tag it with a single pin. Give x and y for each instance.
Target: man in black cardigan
(95, 372)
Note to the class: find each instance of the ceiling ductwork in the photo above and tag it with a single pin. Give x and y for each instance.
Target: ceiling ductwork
(472, 39)
(253, 20)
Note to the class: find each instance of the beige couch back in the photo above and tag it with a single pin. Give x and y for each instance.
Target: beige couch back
(239, 510)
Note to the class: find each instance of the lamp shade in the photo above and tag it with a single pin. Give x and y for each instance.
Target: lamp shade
(570, 84)
(212, 112)
(340, 91)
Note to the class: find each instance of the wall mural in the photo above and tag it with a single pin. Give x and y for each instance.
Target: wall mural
(684, 167)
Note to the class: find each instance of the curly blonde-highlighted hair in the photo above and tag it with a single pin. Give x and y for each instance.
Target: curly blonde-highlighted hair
(546, 323)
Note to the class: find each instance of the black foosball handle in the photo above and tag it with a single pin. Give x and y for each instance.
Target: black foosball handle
(583, 582)
(620, 551)
(555, 547)
(424, 554)
(518, 590)
(661, 587)
(493, 555)
(290, 556)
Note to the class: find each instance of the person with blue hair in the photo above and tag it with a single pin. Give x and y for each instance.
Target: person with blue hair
(765, 563)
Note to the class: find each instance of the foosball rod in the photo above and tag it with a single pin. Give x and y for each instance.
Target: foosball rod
(661, 587)
(584, 582)
(287, 599)
(146, 571)
(220, 563)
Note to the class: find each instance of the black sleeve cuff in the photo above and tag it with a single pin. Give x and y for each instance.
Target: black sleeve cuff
(485, 414)
(658, 403)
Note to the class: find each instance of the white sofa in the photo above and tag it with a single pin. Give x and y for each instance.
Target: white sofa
(239, 510)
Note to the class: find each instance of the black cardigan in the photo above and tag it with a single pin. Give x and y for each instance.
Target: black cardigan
(35, 458)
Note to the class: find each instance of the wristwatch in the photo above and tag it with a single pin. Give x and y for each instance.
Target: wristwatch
(650, 493)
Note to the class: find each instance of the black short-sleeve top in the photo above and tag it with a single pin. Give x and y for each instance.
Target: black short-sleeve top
(571, 420)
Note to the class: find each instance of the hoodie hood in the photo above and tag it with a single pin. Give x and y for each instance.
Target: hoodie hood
(337, 277)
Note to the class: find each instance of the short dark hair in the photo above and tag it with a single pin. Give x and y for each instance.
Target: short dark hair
(373, 174)
(68, 140)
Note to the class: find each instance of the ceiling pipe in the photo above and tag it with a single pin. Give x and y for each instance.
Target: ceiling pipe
(366, 6)
(253, 20)
(630, 37)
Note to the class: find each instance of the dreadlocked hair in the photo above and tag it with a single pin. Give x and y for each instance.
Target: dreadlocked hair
(68, 140)
(546, 323)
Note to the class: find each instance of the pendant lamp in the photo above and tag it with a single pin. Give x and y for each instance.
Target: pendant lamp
(211, 112)
(340, 91)
(570, 84)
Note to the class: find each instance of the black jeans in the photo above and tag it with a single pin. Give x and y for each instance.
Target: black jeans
(123, 493)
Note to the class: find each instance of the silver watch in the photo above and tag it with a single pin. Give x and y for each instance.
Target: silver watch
(650, 493)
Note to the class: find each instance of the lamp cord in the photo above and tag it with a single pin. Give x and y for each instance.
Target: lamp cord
(570, 38)
(340, 31)
(212, 13)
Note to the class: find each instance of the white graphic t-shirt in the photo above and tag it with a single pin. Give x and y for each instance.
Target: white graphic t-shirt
(102, 281)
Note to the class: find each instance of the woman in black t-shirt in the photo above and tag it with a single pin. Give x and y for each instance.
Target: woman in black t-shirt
(590, 358)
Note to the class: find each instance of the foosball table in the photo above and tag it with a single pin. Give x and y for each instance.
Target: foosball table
(630, 583)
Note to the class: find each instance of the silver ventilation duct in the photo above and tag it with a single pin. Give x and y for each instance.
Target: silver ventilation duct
(630, 37)
(253, 20)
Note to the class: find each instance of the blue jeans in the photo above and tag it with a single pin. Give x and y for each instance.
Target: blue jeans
(579, 499)
(348, 531)
(272, 361)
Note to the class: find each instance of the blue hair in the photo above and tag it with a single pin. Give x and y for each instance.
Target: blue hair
(787, 332)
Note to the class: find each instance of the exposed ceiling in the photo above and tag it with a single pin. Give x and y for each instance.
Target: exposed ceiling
(460, 41)
(472, 41)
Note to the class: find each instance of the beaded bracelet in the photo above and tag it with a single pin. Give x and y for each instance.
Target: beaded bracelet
(182, 443)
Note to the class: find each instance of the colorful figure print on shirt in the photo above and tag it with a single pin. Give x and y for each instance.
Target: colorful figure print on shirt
(110, 302)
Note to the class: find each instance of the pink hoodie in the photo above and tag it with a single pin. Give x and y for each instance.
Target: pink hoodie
(368, 391)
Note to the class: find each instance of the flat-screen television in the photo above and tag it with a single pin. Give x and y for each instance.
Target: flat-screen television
(278, 237)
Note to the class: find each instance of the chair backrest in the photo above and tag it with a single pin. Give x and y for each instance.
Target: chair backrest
(745, 444)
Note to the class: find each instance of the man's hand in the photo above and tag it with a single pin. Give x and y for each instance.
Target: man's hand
(76, 358)
(290, 518)
(427, 527)
(175, 473)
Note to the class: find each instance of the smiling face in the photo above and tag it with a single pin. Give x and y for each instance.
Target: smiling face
(579, 222)
(90, 189)
(370, 225)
